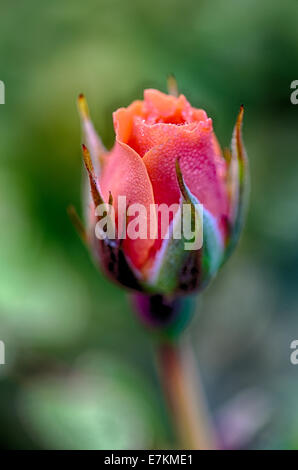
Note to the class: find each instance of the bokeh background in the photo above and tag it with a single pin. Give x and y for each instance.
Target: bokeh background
(80, 370)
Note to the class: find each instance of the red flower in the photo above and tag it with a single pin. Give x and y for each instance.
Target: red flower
(151, 136)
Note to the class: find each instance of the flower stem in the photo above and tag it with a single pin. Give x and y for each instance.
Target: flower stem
(184, 395)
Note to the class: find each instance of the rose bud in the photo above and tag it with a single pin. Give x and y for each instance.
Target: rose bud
(165, 153)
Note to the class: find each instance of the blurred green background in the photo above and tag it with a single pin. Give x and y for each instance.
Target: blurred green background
(80, 370)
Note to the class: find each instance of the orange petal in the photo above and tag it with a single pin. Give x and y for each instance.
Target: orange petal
(145, 136)
(123, 120)
(125, 174)
(196, 153)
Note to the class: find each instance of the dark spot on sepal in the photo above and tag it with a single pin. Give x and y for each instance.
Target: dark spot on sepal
(114, 264)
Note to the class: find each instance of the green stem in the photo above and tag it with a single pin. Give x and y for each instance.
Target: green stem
(185, 397)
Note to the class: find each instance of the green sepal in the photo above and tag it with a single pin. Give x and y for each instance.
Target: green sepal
(238, 184)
